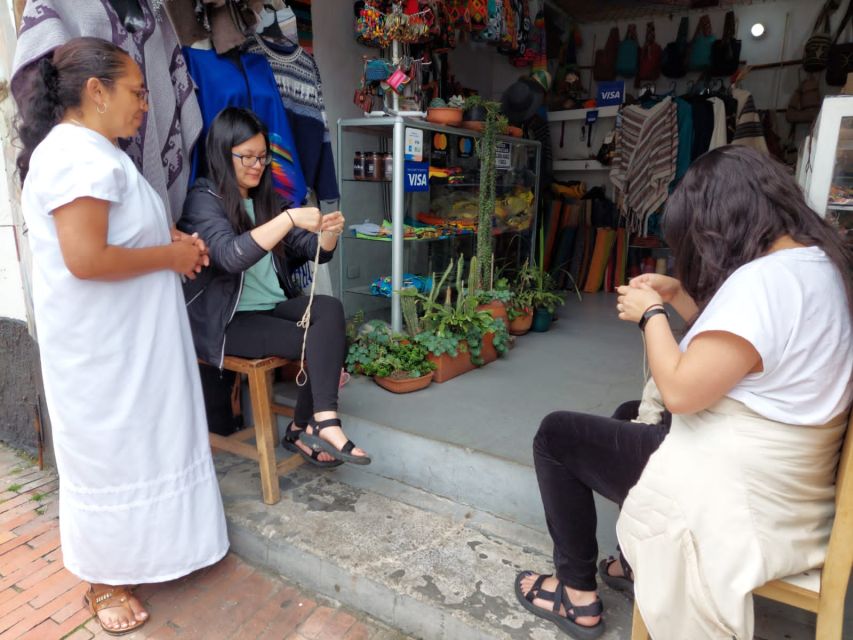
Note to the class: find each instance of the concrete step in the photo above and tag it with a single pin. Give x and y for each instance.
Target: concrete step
(486, 482)
(420, 563)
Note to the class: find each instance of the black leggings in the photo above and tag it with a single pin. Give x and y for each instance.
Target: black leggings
(258, 334)
(576, 454)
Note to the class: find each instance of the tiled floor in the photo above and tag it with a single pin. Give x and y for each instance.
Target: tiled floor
(41, 600)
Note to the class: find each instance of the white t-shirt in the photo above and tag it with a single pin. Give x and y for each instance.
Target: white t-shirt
(791, 306)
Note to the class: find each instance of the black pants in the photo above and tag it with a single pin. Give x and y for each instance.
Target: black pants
(258, 334)
(576, 454)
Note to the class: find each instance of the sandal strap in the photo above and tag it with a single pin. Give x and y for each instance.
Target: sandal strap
(535, 590)
(348, 447)
(114, 597)
(575, 611)
(331, 422)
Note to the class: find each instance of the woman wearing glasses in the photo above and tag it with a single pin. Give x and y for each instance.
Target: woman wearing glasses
(138, 496)
(247, 304)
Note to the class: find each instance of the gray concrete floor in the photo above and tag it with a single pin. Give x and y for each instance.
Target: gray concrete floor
(589, 361)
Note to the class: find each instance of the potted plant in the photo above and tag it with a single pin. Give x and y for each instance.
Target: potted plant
(395, 362)
(520, 312)
(492, 296)
(458, 336)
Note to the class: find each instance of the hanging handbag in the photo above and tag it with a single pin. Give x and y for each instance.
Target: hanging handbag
(674, 58)
(648, 67)
(604, 66)
(804, 104)
(840, 59)
(816, 50)
(725, 53)
(699, 58)
(628, 53)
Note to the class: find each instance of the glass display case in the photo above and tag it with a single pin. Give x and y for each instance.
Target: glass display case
(825, 165)
(411, 192)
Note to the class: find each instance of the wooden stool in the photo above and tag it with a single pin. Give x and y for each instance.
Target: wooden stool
(264, 411)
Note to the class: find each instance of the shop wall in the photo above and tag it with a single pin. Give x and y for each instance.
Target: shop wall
(20, 378)
(769, 49)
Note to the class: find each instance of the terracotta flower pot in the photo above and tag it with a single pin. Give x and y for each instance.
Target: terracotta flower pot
(496, 309)
(488, 352)
(448, 367)
(521, 324)
(403, 383)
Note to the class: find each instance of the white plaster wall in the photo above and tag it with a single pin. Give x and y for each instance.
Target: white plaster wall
(12, 245)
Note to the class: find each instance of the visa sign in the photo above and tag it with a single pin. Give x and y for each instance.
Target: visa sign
(610, 93)
(416, 177)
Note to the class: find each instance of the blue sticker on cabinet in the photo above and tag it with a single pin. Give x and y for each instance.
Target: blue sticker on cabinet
(417, 176)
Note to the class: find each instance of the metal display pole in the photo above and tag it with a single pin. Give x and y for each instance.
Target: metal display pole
(397, 213)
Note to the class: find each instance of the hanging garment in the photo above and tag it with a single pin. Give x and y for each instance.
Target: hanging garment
(246, 80)
(718, 136)
(298, 79)
(139, 498)
(748, 130)
(703, 125)
(162, 147)
(645, 160)
(685, 137)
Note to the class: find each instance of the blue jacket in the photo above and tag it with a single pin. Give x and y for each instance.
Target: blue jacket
(213, 296)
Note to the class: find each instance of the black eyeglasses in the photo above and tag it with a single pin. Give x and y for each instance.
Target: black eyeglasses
(251, 161)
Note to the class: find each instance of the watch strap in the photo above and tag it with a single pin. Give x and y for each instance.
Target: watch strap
(650, 313)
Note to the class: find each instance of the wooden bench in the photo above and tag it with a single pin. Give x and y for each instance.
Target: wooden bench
(820, 591)
(264, 412)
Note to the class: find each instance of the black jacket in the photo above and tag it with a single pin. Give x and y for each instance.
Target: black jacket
(213, 296)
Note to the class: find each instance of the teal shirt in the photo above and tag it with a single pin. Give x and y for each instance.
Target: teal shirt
(261, 290)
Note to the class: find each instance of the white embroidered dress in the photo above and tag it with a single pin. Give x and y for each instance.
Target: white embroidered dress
(139, 499)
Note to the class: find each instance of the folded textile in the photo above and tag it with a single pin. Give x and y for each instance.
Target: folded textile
(382, 286)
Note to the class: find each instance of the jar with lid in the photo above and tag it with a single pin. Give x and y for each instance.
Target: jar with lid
(369, 165)
(388, 161)
(358, 166)
(379, 172)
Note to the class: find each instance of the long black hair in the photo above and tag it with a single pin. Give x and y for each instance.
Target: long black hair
(57, 85)
(731, 206)
(231, 127)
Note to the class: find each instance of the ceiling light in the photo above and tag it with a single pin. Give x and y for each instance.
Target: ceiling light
(757, 30)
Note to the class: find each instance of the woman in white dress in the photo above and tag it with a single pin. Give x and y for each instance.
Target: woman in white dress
(139, 500)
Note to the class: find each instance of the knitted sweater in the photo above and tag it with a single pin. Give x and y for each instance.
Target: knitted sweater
(298, 80)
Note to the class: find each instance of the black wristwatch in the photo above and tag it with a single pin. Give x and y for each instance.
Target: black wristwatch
(649, 314)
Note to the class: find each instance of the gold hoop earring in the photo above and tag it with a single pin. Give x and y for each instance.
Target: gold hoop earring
(98, 109)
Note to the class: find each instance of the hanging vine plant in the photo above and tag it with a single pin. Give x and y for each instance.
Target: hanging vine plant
(493, 125)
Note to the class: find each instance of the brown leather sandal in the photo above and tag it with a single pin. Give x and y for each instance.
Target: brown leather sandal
(108, 598)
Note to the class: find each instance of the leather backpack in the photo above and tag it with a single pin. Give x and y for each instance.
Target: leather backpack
(699, 58)
(804, 104)
(628, 53)
(674, 58)
(604, 66)
(840, 59)
(648, 68)
(816, 50)
(725, 52)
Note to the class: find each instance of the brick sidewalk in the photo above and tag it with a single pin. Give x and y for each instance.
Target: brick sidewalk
(40, 600)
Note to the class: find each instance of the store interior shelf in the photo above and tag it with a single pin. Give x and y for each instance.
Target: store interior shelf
(579, 165)
(367, 180)
(840, 207)
(364, 290)
(383, 126)
(580, 114)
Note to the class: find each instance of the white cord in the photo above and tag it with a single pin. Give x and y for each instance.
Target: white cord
(302, 376)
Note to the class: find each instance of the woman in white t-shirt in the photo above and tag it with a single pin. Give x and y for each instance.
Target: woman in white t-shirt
(741, 490)
(138, 495)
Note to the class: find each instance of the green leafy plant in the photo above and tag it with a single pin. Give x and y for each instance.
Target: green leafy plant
(445, 327)
(494, 124)
(378, 351)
